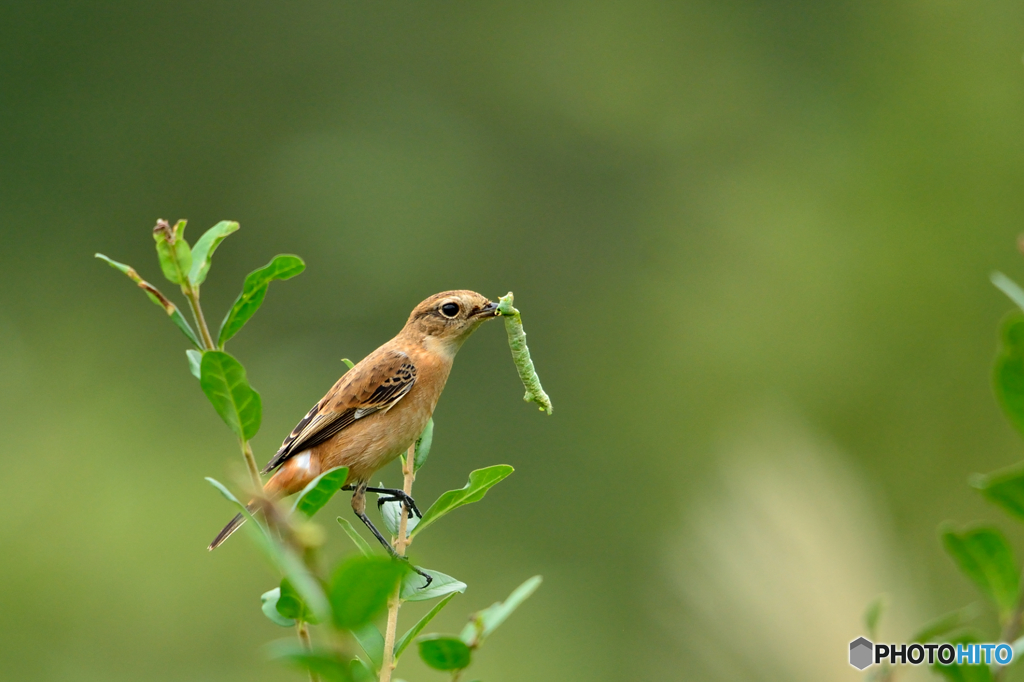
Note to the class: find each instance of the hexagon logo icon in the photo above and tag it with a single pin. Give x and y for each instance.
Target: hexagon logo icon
(860, 653)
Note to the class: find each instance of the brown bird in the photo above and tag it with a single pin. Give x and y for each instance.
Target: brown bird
(377, 409)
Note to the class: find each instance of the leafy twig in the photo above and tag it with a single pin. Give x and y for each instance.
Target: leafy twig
(401, 544)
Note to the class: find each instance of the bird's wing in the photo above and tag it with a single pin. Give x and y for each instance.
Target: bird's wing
(368, 388)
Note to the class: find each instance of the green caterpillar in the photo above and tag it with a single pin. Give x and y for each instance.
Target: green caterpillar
(521, 354)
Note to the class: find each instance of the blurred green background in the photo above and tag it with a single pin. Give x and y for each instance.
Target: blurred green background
(751, 242)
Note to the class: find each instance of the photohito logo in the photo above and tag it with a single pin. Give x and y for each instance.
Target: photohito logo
(864, 653)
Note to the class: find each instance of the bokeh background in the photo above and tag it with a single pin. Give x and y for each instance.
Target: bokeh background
(751, 241)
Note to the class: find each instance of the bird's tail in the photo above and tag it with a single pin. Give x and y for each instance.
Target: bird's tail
(233, 525)
(289, 479)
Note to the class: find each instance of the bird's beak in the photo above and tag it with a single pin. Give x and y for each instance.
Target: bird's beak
(489, 310)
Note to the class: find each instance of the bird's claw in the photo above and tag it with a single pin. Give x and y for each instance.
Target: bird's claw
(426, 575)
(409, 503)
(429, 578)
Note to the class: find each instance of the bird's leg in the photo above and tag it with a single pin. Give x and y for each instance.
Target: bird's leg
(359, 507)
(396, 495)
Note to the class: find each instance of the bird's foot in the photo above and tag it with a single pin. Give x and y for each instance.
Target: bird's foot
(429, 578)
(396, 495)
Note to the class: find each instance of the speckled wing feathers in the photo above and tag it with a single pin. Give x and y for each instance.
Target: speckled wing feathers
(372, 386)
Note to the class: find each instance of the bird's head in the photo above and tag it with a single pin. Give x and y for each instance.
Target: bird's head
(447, 319)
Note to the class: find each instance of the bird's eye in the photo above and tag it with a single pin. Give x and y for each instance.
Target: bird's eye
(450, 310)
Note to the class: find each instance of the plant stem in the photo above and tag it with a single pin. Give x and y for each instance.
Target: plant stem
(307, 644)
(401, 544)
(387, 666)
(250, 464)
(1011, 631)
(197, 312)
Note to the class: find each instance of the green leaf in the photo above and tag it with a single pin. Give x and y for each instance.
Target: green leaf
(480, 481)
(372, 642)
(320, 490)
(195, 360)
(391, 512)
(156, 297)
(291, 605)
(348, 363)
(984, 556)
(202, 252)
(483, 623)
(964, 673)
(1008, 287)
(441, 585)
(1008, 371)
(940, 627)
(224, 383)
(126, 269)
(182, 324)
(1018, 649)
(360, 671)
(873, 614)
(173, 252)
(444, 652)
(355, 537)
(254, 291)
(323, 662)
(269, 605)
(360, 588)
(418, 627)
(283, 558)
(423, 444)
(1004, 488)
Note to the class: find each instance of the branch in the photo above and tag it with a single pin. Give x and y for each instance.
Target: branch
(401, 544)
(197, 312)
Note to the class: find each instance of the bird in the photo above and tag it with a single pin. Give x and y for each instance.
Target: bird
(377, 409)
